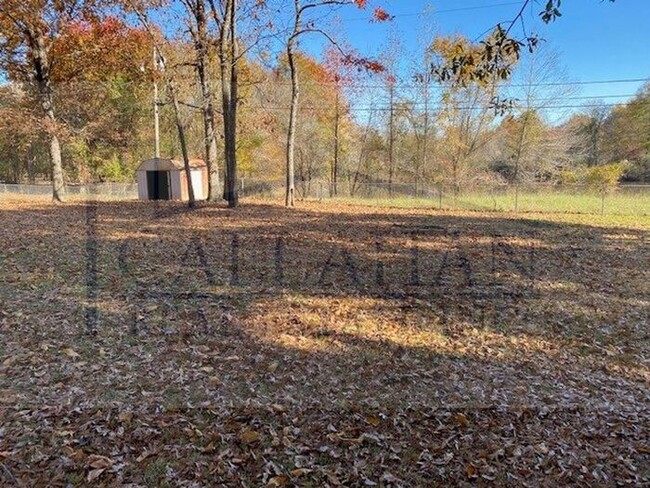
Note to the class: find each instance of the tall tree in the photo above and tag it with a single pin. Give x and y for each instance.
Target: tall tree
(20, 136)
(593, 132)
(198, 27)
(341, 76)
(465, 115)
(391, 133)
(627, 135)
(102, 96)
(183, 141)
(298, 29)
(29, 30)
(225, 15)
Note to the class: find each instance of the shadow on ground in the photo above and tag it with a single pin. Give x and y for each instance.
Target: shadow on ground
(320, 346)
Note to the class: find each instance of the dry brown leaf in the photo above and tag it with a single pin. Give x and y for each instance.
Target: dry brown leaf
(279, 480)
(461, 420)
(71, 353)
(296, 473)
(471, 470)
(125, 417)
(145, 454)
(249, 436)
(94, 474)
(373, 420)
(10, 360)
(98, 462)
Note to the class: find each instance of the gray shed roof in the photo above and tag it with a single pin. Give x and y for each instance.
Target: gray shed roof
(165, 164)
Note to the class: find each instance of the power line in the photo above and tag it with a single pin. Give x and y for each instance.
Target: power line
(434, 107)
(513, 85)
(405, 86)
(442, 11)
(545, 100)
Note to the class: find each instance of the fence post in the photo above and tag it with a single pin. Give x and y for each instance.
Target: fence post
(602, 200)
(440, 196)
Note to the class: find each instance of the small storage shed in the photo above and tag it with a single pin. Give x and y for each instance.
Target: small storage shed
(165, 179)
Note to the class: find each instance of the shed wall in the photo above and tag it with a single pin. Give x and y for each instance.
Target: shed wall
(142, 185)
(177, 179)
(176, 186)
(197, 184)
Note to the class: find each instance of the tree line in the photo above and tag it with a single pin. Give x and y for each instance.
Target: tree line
(237, 89)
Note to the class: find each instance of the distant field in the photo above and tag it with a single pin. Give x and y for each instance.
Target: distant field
(631, 200)
(328, 345)
(623, 202)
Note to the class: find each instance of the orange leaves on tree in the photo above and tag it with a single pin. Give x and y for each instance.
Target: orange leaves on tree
(380, 15)
(364, 63)
(98, 49)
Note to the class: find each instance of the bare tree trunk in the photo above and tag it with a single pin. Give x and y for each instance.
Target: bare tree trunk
(214, 184)
(425, 132)
(16, 171)
(301, 173)
(354, 187)
(335, 165)
(229, 86)
(31, 160)
(183, 142)
(210, 139)
(289, 200)
(456, 184)
(520, 148)
(42, 71)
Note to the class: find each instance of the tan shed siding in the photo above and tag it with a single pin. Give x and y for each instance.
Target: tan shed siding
(176, 185)
(142, 185)
(177, 179)
(197, 183)
(204, 173)
(183, 185)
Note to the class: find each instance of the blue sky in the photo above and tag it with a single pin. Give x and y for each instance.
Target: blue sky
(593, 40)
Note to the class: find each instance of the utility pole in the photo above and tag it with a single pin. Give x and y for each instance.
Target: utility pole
(335, 165)
(156, 107)
(391, 137)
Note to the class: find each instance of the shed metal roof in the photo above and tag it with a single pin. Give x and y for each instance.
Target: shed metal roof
(166, 164)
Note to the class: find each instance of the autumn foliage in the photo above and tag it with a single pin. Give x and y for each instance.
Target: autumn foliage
(101, 48)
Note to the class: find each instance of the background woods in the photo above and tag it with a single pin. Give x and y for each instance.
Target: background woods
(256, 101)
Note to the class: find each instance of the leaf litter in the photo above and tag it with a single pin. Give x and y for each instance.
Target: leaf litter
(326, 346)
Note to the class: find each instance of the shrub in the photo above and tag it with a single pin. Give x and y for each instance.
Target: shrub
(606, 175)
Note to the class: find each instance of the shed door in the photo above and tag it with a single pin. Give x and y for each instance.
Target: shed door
(158, 185)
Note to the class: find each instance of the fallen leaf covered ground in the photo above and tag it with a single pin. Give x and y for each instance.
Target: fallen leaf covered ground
(144, 345)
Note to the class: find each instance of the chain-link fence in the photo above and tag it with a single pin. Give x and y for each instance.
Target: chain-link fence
(116, 191)
(624, 199)
(632, 199)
